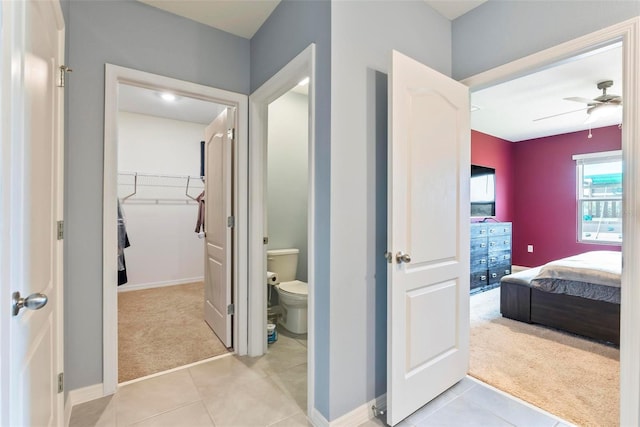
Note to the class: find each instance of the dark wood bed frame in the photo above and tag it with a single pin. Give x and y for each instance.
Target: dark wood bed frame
(591, 318)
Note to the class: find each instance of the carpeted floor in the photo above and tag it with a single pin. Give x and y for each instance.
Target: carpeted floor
(574, 378)
(161, 329)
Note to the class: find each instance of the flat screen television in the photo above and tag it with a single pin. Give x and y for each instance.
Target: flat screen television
(483, 191)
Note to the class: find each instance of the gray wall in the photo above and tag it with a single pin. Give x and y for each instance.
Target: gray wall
(287, 176)
(363, 36)
(499, 32)
(130, 34)
(292, 26)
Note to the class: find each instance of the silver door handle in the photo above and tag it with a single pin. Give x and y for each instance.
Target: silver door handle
(400, 257)
(32, 302)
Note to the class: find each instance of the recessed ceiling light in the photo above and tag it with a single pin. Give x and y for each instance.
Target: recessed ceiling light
(169, 97)
(303, 81)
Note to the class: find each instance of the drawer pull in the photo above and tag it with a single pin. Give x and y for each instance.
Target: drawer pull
(492, 230)
(483, 261)
(483, 245)
(492, 259)
(483, 231)
(483, 278)
(506, 242)
(494, 275)
(507, 272)
(492, 244)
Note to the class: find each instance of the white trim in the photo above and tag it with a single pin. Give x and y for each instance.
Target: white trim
(356, 417)
(152, 285)
(288, 77)
(629, 33)
(115, 75)
(599, 155)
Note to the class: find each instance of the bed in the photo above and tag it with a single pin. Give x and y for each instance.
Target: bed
(578, 294)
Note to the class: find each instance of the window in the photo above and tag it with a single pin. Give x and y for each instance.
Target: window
(599, 193)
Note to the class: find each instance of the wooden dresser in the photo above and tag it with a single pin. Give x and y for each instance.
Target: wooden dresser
(490, 254)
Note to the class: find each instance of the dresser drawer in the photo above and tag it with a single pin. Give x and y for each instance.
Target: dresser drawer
(499, 229)
(498, 258)
(498, 272)
(479, 279)
(478, 246)
(478, 229)
(479, 263)
(499, 243)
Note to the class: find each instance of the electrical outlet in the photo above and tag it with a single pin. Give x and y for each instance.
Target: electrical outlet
(530, 248)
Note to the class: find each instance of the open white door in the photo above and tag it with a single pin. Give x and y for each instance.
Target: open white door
(219, 222)
(428, 274)
(31, 205)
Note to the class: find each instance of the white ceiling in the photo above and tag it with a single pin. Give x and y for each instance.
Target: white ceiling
(140, 100)
(508, 110)
(239, 17)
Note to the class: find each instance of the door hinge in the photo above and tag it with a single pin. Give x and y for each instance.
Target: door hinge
(60, 382)
(265, 240)
(231, 221)
(231, 134)
(231, 309)
(60, 230)
(63, 74)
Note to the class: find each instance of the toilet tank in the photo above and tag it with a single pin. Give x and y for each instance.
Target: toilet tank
(284, 262)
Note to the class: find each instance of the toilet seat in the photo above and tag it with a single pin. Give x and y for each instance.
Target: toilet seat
(295, 287)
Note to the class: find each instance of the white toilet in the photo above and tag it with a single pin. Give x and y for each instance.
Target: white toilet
(291, 292)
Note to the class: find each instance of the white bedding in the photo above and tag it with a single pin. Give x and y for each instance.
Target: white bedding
(594, 275)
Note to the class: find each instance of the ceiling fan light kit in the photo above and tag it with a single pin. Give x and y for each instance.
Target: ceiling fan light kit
(600, 111)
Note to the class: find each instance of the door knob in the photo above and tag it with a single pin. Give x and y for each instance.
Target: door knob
(32, 302)
(400, 257)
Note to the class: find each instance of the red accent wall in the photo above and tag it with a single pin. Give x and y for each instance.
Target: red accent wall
(487, 150)
(544, 196)
(536, 189)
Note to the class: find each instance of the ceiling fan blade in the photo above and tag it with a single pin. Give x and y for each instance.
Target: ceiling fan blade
(559, 114)
(583, 100)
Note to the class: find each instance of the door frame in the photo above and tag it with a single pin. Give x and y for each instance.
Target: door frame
(627, 32)
(115, 75)
(303, 65)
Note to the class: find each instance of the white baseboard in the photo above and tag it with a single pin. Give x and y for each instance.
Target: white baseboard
(140, 286)
(81, 395)
(359, 415)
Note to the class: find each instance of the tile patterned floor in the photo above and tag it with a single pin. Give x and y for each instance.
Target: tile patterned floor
(271, 391)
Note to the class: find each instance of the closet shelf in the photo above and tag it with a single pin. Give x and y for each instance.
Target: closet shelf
(133, 181)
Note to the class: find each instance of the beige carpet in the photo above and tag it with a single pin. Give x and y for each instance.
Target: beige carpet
(571, 377)
(163, 328)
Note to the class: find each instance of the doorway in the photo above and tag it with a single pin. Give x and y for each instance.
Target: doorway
(623, 33)
(165, 189)
(300, 68)
(161, 178)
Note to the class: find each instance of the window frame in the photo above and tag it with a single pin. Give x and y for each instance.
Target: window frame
(591, 159)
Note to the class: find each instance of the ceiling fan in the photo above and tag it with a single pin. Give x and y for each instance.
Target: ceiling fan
(597, 107)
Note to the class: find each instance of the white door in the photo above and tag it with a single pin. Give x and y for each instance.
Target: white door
(428, 290)
(218, 225)
(31, 204)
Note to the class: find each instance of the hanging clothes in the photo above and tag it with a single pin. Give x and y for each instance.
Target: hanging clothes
(200, 220)
(123, 242)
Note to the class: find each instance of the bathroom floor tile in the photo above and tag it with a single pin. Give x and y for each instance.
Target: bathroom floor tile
(193, 415)
(256, 403)
(293, 382)
(98, 412)
(143, 399)
(298, 420)
(460, 413)
(223, 372)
